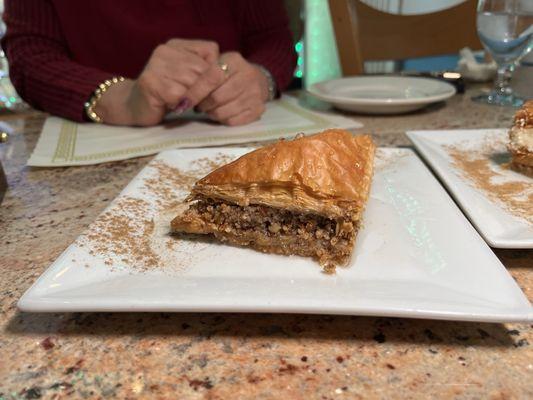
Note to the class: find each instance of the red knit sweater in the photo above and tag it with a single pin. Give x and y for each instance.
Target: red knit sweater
(60, 50)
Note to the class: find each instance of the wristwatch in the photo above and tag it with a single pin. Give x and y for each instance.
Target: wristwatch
(271, 83)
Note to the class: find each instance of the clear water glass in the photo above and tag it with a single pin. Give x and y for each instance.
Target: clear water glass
(505, 28)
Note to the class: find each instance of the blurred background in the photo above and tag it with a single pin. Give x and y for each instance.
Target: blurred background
(317, 47)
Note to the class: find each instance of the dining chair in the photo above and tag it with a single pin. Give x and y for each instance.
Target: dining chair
(364, 33)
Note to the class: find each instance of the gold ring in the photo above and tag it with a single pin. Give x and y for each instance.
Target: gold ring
(4, 136)
(224, 67)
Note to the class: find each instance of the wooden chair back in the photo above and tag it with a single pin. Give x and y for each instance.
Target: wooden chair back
(364, 33)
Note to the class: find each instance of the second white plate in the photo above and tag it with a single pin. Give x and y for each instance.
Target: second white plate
(473, 166)
(382, 94)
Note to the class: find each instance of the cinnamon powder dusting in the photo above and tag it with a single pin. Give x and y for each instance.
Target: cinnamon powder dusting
(165, 182)
(487, 168)
(123, 235)
(204, 165)
(135, 231)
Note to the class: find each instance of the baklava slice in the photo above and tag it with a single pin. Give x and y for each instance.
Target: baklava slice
(521, 139)
(304, 197)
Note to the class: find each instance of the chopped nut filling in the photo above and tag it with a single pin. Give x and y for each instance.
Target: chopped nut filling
(275, 230)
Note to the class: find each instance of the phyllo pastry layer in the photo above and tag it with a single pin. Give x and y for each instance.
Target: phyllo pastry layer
(304, 197)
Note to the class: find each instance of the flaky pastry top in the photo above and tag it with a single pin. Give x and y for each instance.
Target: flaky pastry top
(328, 173)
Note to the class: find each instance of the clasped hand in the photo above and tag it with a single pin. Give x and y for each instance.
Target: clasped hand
(182, 74)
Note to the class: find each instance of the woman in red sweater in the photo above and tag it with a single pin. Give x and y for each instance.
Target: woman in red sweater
(227, 58)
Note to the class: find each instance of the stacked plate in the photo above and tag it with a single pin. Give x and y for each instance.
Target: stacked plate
(382, 94)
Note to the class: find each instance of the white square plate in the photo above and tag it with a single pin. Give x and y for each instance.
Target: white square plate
(416, 256)
(500, 227)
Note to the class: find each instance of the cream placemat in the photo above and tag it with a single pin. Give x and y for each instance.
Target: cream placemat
(64, 143)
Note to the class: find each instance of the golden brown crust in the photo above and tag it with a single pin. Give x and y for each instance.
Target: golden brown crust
(328, 174)
(524, 117)
(520, 139)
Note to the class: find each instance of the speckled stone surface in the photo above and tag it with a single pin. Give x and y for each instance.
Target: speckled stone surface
(223, 356)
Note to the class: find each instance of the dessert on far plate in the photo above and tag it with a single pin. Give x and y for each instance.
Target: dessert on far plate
(521, 139)
(304, 196)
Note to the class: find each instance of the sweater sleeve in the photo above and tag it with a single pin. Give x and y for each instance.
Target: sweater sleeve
(267, 39)
(40, 67)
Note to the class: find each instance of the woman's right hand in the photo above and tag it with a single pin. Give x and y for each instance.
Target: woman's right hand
(171, 71)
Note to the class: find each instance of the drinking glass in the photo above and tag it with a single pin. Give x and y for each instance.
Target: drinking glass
(505, 27)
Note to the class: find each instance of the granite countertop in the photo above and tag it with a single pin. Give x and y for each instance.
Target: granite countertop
(220, 356)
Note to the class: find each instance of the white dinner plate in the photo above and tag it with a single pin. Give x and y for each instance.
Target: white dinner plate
(498, 220)
(416, 256)
(382, 94)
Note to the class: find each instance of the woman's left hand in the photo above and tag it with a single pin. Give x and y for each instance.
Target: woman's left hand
(242, 96)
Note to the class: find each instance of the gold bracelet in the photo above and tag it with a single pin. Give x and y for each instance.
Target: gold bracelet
(98, 93)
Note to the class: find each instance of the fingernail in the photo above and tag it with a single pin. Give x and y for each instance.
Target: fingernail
(183, 105)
